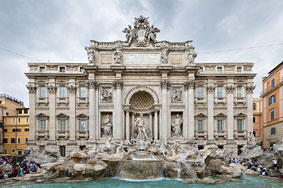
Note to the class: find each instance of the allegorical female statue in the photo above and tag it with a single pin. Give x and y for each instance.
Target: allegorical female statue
(107, 126)
(176, 126)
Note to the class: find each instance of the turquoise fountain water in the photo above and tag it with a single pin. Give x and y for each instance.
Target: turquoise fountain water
(247, 182)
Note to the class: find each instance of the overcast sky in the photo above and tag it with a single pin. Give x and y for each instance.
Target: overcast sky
(58, 31)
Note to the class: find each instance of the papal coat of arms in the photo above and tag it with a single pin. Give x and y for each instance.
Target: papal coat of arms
(142, 34)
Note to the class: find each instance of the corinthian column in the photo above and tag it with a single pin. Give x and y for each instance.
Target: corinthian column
(92, 85)
(32, 129)
(72, 103)
(230, 112)
(164, 109)
(190, 85)
(118, 111)
(210, 121)
(249, 95)
(52, 110)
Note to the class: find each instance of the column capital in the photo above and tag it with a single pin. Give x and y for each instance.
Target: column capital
(72, 88)
(165, 84)
(210, 89)
(92, 84)
(230, 89)
(31, 88)
(250, 89)
(51, 88)
(190, 84)
(118, 84)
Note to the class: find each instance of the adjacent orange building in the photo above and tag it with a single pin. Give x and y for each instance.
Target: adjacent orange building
(257, 120)
(272, 105)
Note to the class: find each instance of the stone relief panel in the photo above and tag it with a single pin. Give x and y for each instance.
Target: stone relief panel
(176, 95)
(176, 124)
(106, 124)
(106, 94)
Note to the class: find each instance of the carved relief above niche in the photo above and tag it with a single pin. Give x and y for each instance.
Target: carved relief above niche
(176, 95)
(106, 94)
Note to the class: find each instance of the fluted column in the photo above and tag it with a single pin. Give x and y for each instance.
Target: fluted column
(164, 109)
(72, 104)
(92, 85)
(210, 119)
(118, 111)
(133, 123)
(32, 121)
(191, 109)
(52, 110)
(230, 112)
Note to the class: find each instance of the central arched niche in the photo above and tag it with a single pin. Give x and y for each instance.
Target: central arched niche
(141, 100)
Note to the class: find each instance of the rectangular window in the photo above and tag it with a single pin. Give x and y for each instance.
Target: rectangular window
(272, 99)
(62, 125)
(13, 130)
(219, 125)
(41, 69)
(18, 130)
(219, 69)
(273, 130)
(254, 119)
(5, 130)
(272, 114)
(254, 106)
(6, 120)
(19, 140)
(199, 92)
(5, 140)
(42, 92)
(82, 92)
(63, 92)
(19, 120)
(13, 140)
(82, 125)
(26, 129)
(239, 92)
(42, 125)
(219, 92)
(239, 69)
(200, 125)
(26, 140)
(272, 83)
(62, 69)
(82, 69)
(239, 124)
(27, 120)
(14, 120)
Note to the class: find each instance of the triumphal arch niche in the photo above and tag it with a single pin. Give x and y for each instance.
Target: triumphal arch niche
(146, 86)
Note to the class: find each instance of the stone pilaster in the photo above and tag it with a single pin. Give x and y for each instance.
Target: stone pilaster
(155, 125)
(230, 111)
(32, 120)
(186, 111)
(92, 85)
(118, 111)
(96, 113)
(210, 120)
(72, 103)
(249, 96)
(52, 110)
(164, 109)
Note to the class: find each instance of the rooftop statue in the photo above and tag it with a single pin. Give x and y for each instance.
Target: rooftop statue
(142, 34)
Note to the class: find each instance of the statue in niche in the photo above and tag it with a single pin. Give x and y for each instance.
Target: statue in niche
(176, 95)
(118, 56)
(107, 126)
(90, 54)
(106, 95)
(130, 34)
(164, 55)
(176, 126)
(191, 57)
(142, 134)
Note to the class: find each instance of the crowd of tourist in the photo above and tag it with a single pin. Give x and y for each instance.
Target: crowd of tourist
(14, 167)
(255, 166)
